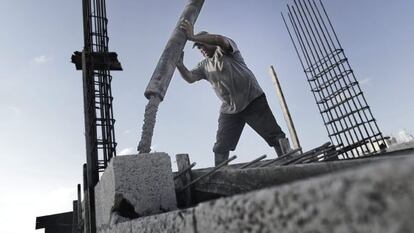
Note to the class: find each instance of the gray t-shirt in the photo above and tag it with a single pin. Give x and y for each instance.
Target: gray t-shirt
(229, 76)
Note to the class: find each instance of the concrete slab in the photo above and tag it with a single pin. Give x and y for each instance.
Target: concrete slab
(228, 182)
(374, 198)
(124, 227)
(133, 186)
(173, 222)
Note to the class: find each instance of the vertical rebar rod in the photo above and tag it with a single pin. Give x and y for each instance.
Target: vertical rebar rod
(319, 56)
(376, 131)
(347, 107)
(99, 122)
(306, 44)
(346, 116)
(301, 46)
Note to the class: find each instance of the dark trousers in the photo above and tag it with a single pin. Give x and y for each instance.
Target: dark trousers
(258, 116)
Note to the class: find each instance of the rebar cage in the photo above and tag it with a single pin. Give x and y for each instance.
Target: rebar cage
(346, 115)
(96, 42)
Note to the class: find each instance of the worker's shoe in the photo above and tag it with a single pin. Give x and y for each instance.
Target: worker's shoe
(220, 158)
(282, 147)
(278, 150)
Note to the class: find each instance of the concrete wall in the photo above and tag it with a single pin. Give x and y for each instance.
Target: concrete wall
(375, 198)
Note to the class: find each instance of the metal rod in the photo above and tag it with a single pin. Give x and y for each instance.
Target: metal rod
(317, 51)
(184, 170)
(281, 158)
(249, 164)
(361, 104)
(79, 214)
(315, 55)
(352, 75)
(358, 133)
(310, 153)
(340, 100)
(298, 36)
(215, 169)
(303, 37)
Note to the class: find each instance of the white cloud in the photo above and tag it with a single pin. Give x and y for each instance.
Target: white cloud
(404, 136)
(128, 151)
(16, 111)
(42, 59)
(365, 81)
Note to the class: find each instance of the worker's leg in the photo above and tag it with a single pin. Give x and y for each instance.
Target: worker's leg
(259, 116)
(230, 127)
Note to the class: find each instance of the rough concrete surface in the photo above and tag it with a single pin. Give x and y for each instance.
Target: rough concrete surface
(134, 186)
(376, 198)
(123, 227)
(174, 222)
(228, 182)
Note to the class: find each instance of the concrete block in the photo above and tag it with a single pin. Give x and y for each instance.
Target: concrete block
(133, 186)
(172, 222)
(124, 227)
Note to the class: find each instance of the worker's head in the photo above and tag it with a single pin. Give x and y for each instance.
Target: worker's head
(206, 49)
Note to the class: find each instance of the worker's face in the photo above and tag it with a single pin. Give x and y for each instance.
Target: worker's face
(207, 50)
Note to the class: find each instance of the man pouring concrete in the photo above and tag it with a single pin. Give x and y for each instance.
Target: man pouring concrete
(243, 100)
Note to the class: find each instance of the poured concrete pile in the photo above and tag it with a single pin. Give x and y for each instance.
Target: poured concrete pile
(376, 198)
(134, 186)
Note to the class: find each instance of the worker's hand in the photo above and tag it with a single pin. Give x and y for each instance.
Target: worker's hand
(180, 61)
(188, 29)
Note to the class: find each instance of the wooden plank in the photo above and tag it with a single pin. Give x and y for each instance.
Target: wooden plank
(184, 198)
(285, 109)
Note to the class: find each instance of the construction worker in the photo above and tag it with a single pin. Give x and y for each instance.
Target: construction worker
(243, 100)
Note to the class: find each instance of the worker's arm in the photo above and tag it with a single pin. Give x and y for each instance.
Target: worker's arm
(211, 39)
(187, 75)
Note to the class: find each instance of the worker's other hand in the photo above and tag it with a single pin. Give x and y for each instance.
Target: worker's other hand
(188, 29)
(180, 61)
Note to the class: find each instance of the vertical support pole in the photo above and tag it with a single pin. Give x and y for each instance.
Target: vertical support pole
(75, 222)
(90, 138)
(86, 218)
(285, 109)
(79, 202)
(184, 198)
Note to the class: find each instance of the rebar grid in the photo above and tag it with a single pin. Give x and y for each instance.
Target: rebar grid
(340, 100)
(96, 41)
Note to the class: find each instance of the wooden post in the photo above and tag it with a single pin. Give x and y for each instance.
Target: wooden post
(75, 217)
(79, 202)
(86, 216)
(184, 198)
(285, 109)
(92, 175)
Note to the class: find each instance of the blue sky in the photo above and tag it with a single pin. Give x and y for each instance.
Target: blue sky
(41, 108)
